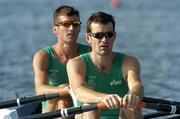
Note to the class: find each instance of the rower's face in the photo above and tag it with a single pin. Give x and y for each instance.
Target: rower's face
(68, 28)
(101, 38)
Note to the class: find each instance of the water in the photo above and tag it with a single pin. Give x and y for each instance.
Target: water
(147, 29)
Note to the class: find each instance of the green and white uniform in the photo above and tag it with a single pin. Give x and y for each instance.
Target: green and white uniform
(111, 82)
(56, 72)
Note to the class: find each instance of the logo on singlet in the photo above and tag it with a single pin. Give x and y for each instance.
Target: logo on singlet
(91, 81)
(115, 82)
(52, 77)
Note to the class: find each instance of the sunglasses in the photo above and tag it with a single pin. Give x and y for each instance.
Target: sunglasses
(100, 35)
(69, 23)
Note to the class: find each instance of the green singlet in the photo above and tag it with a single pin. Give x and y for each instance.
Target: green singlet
(111, 82)
(56, 72)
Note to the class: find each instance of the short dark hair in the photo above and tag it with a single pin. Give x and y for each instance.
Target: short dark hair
(100, 17)
(64, 10)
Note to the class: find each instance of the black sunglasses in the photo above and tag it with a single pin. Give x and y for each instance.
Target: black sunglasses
(100, 35)
(69, 23)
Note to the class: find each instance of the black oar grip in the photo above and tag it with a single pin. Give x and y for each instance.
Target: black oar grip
(51, 96)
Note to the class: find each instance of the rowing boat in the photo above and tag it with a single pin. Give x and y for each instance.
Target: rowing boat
(31, 108)
(21, 111)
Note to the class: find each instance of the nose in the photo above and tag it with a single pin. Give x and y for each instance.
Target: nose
(71, 27)
(104, 39)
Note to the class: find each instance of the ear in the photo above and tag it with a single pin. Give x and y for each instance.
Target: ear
(55, 29)
(114, 35)
(87, 37)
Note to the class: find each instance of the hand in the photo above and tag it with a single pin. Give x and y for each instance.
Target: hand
(130, 100)
(64, 89)
(113, 101)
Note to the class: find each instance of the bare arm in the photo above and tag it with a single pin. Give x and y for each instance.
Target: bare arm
(40, 66)
(131, 70)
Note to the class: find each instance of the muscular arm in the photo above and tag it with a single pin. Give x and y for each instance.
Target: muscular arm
(76, 72)
(40, 66)
(131, 70)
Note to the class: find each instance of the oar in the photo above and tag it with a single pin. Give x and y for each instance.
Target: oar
(77, 110)
(24, 100)
(172, 109)
(155, 115)
(155, 100)
(66, 112)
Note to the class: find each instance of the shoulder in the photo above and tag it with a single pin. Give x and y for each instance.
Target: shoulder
(130, 59)
(77, 61)
(40, 54)
(40, 58)
(131, 63)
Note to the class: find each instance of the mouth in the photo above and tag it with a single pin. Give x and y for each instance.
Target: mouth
(104, 46)
(71, 34)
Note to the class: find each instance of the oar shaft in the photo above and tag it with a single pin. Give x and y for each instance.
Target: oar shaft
(9, 103)
(172, 109)
(20, 101)
(24, 100)
(63, 112)
(155, 100)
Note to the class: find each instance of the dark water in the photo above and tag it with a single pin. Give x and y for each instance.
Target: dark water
(147, 29)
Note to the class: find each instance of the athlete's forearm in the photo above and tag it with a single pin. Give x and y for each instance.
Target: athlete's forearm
(138, 90)
(87, 95)
(45, 89)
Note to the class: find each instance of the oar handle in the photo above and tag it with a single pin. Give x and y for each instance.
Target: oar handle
(102, 105)
(60, 94)
(63, 94)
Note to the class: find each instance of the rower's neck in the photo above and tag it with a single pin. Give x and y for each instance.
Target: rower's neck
(102, 63)
(64, 52)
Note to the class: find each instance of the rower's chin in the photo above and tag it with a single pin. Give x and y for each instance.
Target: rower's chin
(104, 52)
(71, 39)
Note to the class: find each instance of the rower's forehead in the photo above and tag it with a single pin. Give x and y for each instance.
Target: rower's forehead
(67, 18)
(99, 27)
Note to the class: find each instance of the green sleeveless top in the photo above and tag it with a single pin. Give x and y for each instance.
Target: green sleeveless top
(111, 82)
(57, 73)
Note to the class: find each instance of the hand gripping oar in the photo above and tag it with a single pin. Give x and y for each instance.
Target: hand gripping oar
(77, 110)
(24, 100)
